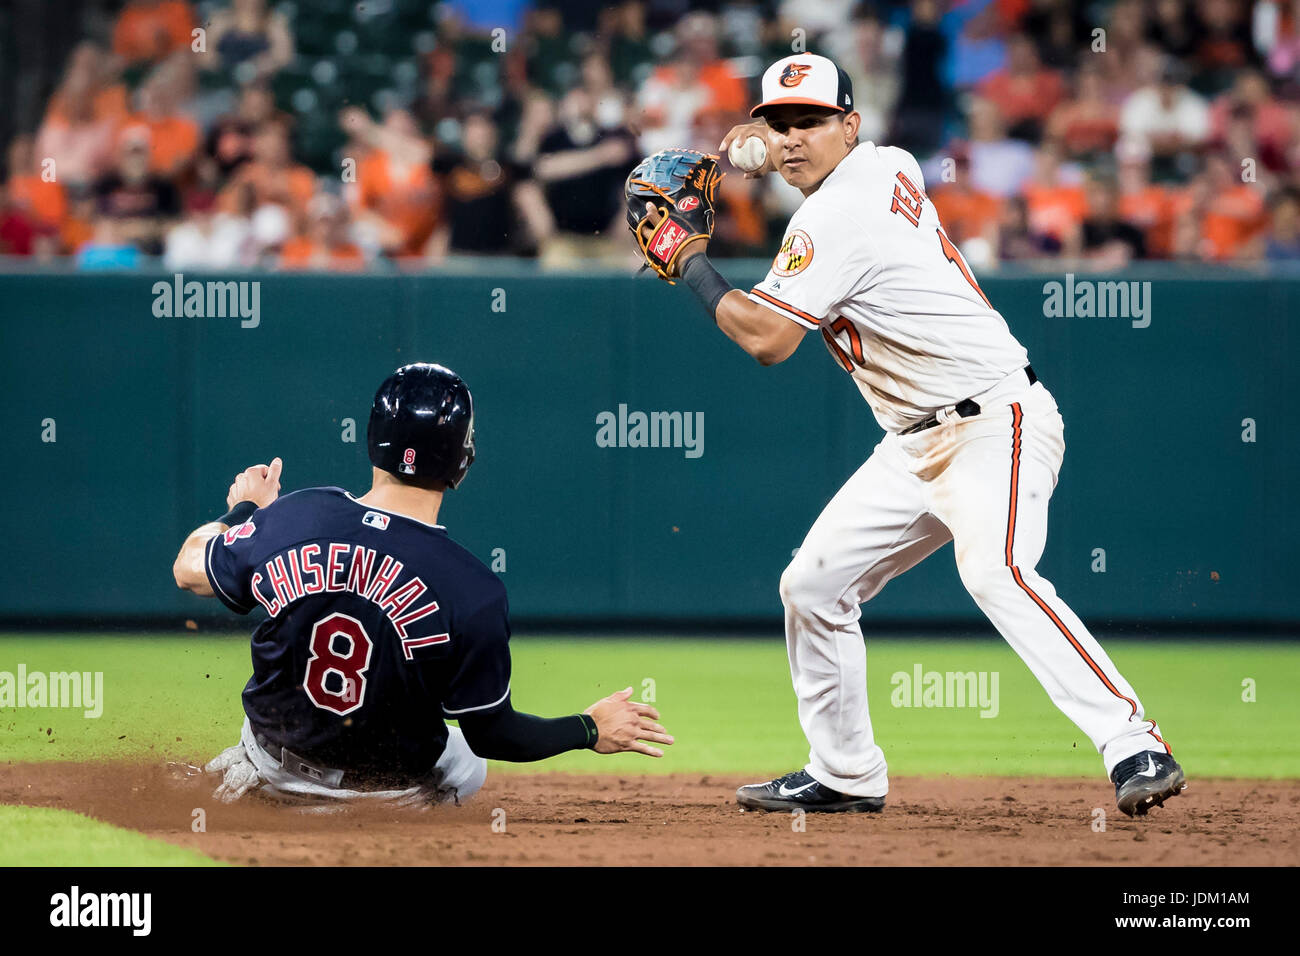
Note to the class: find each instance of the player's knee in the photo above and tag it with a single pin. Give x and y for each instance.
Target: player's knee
(983, 579)
(803, 591)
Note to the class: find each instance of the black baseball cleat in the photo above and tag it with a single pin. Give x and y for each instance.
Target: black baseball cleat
(799, 791)
(1146, 780)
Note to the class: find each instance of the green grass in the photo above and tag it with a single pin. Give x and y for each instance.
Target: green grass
(728, 701)
(38, 836)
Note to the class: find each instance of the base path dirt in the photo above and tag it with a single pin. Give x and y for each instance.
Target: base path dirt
(558, 819)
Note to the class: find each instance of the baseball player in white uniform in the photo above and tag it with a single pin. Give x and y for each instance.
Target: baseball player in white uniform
(973, 444)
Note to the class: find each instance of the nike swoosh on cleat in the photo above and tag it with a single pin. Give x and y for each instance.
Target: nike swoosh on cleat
(790, 793)
(1150, 771)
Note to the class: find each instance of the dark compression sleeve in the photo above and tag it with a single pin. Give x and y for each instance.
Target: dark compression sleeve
(507, 734)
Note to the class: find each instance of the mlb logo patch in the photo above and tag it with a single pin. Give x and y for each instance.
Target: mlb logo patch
(376, 520)
(244, 530)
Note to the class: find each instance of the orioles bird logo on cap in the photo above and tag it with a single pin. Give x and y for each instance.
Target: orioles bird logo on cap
(794, 73)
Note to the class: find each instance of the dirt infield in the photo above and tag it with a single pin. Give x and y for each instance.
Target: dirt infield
(560, 819)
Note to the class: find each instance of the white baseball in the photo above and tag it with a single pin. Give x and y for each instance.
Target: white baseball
(749, 155)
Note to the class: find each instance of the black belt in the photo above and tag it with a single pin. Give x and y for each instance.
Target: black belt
(966, 408)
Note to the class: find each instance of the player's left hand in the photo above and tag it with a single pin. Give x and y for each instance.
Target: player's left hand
(651, 222)
(625, 725)
(679, 186)
(240, 774)
(259, 484)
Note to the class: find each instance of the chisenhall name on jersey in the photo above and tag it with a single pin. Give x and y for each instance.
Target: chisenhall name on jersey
(308, 569)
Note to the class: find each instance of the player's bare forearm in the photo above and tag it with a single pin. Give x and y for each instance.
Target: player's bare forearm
(188, 568)
(765, 335)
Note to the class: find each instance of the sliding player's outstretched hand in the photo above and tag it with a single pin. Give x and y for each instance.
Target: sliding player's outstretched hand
(625, 725)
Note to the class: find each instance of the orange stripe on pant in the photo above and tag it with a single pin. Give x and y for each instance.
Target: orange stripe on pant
(1017, 416)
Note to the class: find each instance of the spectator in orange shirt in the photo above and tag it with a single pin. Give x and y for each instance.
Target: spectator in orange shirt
(695, 83)
(1055, 199)
(81, 145)
(173, 136)
(151, 29)
(1088, 124)
(1146, 206)
(326, 244)
(276, 180)
(1024, 91)
(966, 212)
(396, 197)
(1234, 211)
(40, 197)
(92, 73)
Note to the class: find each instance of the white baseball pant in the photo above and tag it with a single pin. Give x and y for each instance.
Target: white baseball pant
(460, 774)
(983, 483)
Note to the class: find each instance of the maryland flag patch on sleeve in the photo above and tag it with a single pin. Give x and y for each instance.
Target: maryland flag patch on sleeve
(795, 254)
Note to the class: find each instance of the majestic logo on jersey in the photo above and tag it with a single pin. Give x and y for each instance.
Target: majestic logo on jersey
(407, 467)
(794, 73)
(376, 520)
(794, 255)
(687, 203)
(239, 531)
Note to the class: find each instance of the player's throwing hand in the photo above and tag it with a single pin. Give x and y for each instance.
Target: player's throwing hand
(625, 725)
(744, 131)
(259, 484)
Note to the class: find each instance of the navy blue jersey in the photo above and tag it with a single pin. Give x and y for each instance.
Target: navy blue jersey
(378, 626)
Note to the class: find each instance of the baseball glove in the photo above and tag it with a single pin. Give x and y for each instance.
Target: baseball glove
(681, 183)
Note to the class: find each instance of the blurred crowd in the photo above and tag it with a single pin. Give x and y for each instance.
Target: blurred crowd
(332, 134)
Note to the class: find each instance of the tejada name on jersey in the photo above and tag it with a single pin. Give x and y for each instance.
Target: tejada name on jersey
(299, 572)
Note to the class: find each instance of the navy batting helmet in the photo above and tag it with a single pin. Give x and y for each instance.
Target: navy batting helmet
(422, 425)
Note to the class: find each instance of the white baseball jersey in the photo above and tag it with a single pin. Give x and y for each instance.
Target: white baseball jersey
(866, 261)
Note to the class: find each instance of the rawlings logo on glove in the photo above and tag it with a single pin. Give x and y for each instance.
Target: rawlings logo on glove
(680, 184)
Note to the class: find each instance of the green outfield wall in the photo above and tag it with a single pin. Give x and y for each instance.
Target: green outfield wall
(152, 414)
